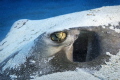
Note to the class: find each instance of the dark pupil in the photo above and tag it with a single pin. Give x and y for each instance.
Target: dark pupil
(55, 38)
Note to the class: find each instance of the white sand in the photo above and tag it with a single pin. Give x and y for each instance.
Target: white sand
(21, 34)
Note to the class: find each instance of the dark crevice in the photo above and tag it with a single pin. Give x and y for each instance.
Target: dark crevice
(86, 47)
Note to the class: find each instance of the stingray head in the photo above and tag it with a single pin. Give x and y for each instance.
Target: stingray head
(78, 45)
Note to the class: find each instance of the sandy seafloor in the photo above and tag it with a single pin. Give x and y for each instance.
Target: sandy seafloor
(12, 10)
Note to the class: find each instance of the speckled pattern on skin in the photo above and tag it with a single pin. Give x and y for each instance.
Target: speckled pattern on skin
(23, 61)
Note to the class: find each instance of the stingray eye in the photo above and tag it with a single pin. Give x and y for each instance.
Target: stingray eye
(58, 36)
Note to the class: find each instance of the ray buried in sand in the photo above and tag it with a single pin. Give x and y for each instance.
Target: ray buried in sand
(63, 44)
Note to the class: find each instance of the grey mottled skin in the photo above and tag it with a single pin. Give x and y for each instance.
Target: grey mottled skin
(107, 41)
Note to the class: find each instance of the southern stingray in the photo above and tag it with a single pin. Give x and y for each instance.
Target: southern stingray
(34, 48)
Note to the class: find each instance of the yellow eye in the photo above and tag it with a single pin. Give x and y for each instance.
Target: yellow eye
(58, 36)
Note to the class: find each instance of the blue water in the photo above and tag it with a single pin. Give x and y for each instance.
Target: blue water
(12, 10)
